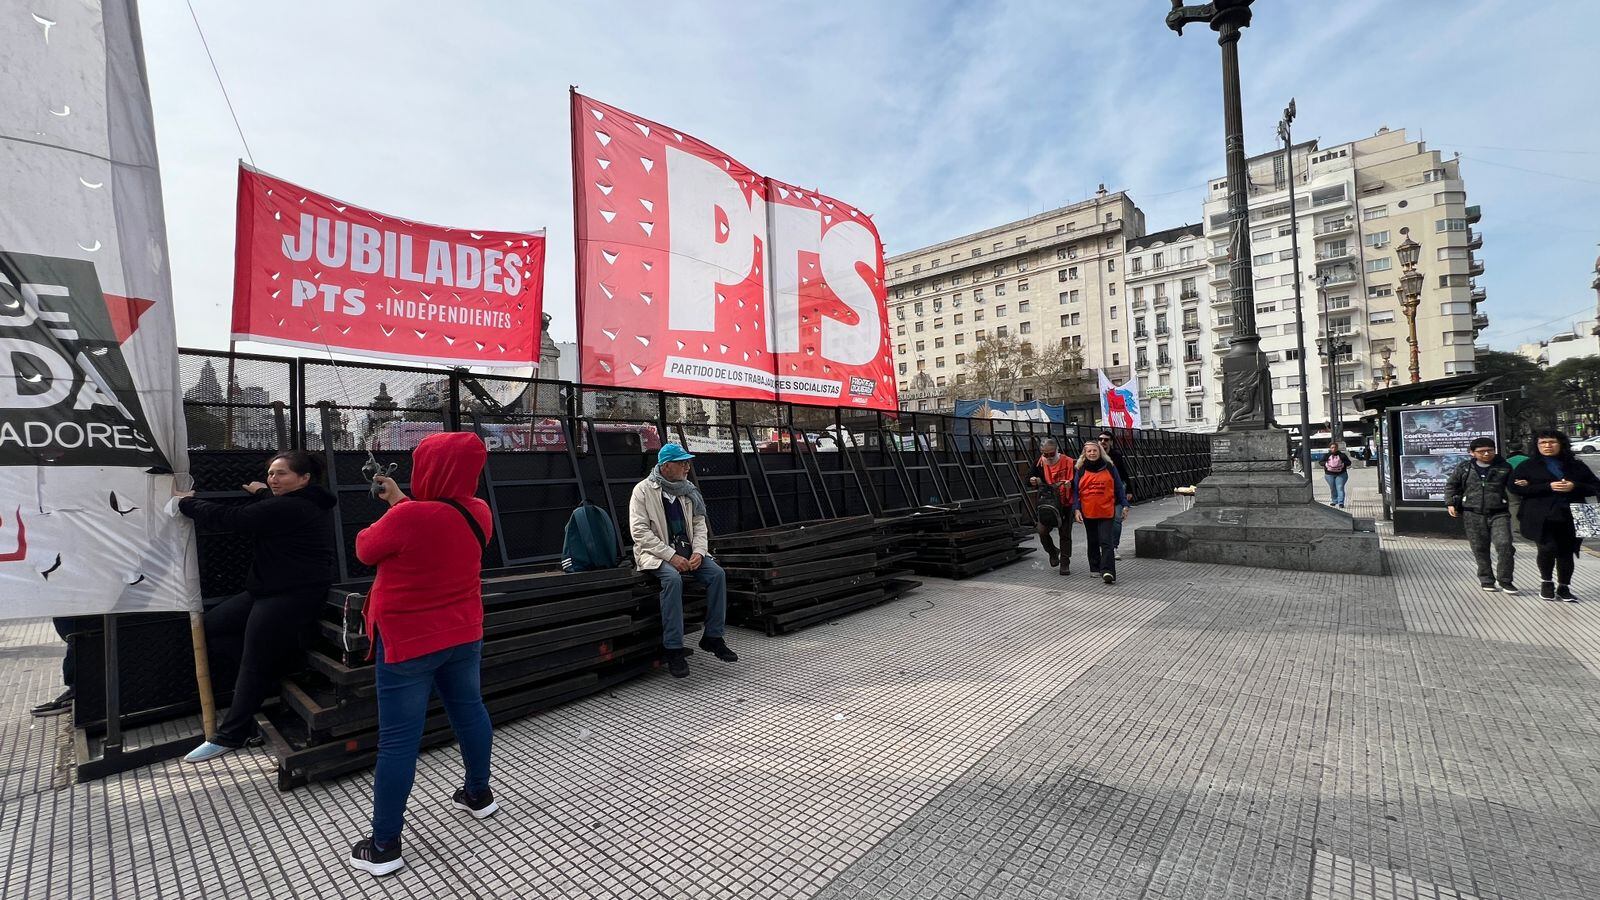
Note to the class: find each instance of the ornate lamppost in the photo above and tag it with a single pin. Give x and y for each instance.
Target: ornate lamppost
(1388, 367)
(1286, 134)
(1246, 383)
(1411, 296)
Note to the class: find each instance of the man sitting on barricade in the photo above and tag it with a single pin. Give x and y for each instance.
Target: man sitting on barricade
(667, 519)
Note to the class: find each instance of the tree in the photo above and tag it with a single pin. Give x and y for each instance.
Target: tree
(994, 367)
(1058, 369)
(1573, 388)
(1522, 385)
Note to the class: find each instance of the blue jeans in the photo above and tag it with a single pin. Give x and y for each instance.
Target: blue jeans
(716, 581)
(1116, 532)
(403, 692)
(1336, 485)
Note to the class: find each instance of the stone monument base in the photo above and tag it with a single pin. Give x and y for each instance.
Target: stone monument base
(1254, 511)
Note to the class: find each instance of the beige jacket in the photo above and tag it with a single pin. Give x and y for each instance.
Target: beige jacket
(647, 522)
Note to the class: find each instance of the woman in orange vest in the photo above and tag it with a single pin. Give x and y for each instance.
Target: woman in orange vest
(1099, 499)
(1055, 469)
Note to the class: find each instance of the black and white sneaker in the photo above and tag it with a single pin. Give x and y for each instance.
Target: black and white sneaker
(1547, 590)
(481, 807)
(1507, 587)
(366, 856)
(1488, 586)
(1108, 577)
(1565, 593)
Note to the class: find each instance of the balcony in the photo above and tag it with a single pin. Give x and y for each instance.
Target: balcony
(1162, 331)
(1222, 300)
(1337, 277)
(1219, 253)
(1479, 294)
(1475, 268)
(1335, 253)
(1195, 390)
(1330, 201)
(1341, 331)
(1161, 300)
(1474, 215)
(1191, 327)
(1192, 358)
(1142, 365)
(1346, 388)
(1339, 226)
(1480, 321)
(1138, 305)
(1221, 279)
(1141, 335)
(1223, 323)
(1164, 362)
(1189, 297)
(1474, 240)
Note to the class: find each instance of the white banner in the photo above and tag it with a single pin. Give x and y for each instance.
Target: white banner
(1119, 404)
(91, 420)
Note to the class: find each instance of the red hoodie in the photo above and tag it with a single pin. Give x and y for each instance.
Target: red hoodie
(428, 595)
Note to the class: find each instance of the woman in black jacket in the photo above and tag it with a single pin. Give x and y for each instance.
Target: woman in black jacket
(294, 564)
(1549, 483)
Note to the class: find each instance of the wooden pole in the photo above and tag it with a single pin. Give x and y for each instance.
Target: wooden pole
(202, 672)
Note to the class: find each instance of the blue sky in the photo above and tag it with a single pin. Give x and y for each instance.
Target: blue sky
(937, 118)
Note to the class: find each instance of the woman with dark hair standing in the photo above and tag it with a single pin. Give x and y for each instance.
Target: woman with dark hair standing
(1549, 483)
(291, 523)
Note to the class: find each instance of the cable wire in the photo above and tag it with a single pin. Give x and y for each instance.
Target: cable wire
(225, 98)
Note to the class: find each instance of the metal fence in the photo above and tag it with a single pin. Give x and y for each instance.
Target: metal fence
(554, 444)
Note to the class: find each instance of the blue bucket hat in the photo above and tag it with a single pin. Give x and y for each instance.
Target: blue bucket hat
(672, 453)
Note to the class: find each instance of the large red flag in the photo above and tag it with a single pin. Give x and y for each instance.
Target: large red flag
(697, 275)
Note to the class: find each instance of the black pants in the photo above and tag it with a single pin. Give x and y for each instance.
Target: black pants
(1052, 518)
(1098, 537)
(66, 627)
(1558, 546)
(259, 638)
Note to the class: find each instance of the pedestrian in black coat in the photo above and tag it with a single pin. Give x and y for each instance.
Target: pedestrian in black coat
(1549, 483)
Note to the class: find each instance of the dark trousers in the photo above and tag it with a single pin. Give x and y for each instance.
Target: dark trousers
(1098, 537)
(403, 692)
(259, 639)
(1558, 546)
(1059, 523)
(66, 627)
(1485, 531)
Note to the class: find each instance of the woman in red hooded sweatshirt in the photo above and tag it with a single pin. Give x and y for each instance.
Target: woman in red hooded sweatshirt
(425, 616)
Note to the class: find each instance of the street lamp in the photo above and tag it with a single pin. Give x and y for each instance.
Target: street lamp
(1334, 348)
(1411, 295)
(1246, 381)
(1388, 367)
(1286, 135)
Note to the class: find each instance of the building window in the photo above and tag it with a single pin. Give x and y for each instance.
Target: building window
(977, 251)
(1111, 265)
(1264, 283)
(1065, 320)
(1261, 259)
(1264, 308)
(1455, 308)
(1072, 296)
(1001, 331)
(1023, 306)
(977, 315)
(921, 346)
(960, 339)
(901, 349)
(1188, 286)
(1113, 312)
(1380, 317)
(1111, 289)
(1261, 234)
(977, 295)
(902, 368)
(1375, 212)
(1116, 359)
(1286, 230)
(900, 331)
(1000, 290)
(1286, 278)
(1285, 255)
(938, 362)
(918, 327)
(1115, 339)
(917, 307)
(1447, 253)
(1450, 281)
(1022, 285)
(1459, 367)
(1000, 311)
(900, 313)
(961, 359)
(959, 317)
(1291, 355)
(1432, 175)
(938, 343)
(1376, 238)
(1381, 264)
(1026, 328)
(1450, 225)
(1378, 291)
(1195, 412)
(938, 306)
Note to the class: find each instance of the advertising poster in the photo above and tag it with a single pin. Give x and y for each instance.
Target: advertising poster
(697, 275)
(315, 273)
(1433, 440)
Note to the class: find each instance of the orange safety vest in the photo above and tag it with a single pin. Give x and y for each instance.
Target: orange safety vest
(1097, 493)
(1059, 474)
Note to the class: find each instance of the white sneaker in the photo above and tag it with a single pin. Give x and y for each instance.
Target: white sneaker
(206, 751)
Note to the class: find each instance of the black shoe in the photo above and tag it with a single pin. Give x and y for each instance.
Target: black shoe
(481, 807)
(1547, 590)
(1055, 560)
(1565, 593)
(55, 707)
(1109, 577)
(1066, 570)
(368, 858)
(1488, 586)
(1507, 587)
(718, 648)
(678, 663)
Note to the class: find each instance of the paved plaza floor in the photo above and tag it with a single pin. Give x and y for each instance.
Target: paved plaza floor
(1193, 731)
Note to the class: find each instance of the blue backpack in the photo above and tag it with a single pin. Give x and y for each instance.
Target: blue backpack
(591, 541)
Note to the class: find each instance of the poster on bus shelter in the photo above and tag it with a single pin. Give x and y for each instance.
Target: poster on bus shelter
(1433, 440)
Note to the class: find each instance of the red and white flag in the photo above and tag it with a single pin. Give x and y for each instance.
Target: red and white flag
(319, 274)
(697, 275)
(91, 419)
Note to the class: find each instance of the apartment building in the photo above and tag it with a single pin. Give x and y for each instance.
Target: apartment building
(1169, 299)
(1054, 279)
(1353, 200)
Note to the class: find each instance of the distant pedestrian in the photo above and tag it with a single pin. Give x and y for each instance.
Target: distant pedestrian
(1476, 493)
(1054, 470)
(1515, 458)
(1099, 500)
(1549, 484)
(1335, 471)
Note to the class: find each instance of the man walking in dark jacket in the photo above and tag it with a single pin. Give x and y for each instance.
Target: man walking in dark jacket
(1476, 493)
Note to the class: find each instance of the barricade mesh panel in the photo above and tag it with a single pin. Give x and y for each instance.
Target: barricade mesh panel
(257, 414)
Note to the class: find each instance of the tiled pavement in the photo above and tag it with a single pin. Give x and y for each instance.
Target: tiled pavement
(1193, 731)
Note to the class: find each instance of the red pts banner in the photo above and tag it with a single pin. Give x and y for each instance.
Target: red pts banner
(698, 276)
(312, 272)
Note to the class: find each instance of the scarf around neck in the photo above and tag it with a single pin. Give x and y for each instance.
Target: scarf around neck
(679, 490)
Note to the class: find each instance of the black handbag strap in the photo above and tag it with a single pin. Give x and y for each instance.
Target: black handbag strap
(477, 530)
